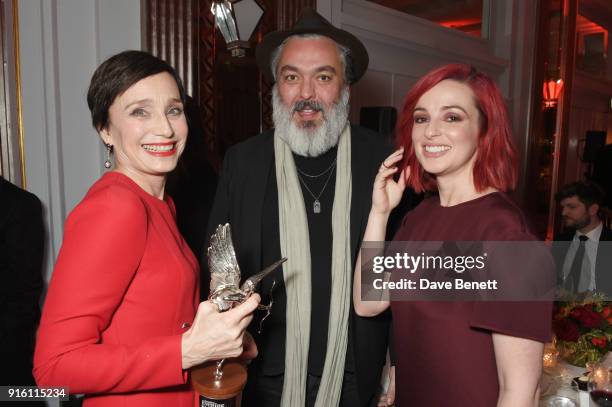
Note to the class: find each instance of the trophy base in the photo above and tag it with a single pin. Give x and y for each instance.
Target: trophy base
(219, 393)
(206, 402)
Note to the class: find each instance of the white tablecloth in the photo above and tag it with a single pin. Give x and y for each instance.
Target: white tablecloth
(558, 382)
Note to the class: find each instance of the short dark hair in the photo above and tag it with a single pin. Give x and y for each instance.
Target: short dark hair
(116, 75)
(588, 193)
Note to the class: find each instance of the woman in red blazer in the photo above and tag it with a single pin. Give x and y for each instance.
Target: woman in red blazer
(121, 321)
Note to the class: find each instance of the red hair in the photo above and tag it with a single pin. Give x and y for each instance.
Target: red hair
(496, 157)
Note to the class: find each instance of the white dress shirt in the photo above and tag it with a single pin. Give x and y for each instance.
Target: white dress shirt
(587, 271)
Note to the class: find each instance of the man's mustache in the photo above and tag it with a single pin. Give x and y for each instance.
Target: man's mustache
(307, 104)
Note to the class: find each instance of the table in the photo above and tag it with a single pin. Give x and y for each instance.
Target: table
(557, 381)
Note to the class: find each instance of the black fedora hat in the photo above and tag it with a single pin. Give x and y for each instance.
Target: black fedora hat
(310, 22)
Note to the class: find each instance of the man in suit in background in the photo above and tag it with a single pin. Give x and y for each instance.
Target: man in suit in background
(21, 283)
(583, 252)
(303, 191)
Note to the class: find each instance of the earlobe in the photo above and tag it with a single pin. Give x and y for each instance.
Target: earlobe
(105, 136)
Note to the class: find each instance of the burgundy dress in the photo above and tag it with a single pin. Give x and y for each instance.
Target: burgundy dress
(445, 354)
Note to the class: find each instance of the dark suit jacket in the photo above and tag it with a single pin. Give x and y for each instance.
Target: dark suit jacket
(239, 200)
(21, 282)
(603, 263)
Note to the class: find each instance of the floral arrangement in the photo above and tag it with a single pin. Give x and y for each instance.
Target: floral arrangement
(583, 329)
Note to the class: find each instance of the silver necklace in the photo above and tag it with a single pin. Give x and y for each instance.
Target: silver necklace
(316, 205)
(318, 175)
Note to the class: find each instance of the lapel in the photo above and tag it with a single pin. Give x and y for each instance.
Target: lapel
(360, 188)
(2, 182)
(606, 235)
(603, 262)
(560, 246)
(253, 195)
(5, 210)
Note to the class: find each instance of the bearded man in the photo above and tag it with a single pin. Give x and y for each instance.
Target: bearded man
(303, 191)
(583, 253)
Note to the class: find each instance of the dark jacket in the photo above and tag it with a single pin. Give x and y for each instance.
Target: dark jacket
(603, 263)
(239, 200)
(21, 282)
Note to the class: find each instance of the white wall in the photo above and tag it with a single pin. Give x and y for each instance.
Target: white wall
(402, 48)
(9, 139)
(61, 43)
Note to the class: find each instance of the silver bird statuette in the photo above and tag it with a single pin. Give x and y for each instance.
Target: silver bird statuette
(225, 288)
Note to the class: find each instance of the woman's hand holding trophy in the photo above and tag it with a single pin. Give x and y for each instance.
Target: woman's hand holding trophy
(219, 328)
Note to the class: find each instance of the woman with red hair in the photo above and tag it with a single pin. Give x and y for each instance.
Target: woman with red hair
(455, 139)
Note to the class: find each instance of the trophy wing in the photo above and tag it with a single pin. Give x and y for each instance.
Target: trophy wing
(222, 263)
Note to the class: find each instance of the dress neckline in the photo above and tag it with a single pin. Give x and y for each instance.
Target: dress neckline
(474, 201)
(133, 185)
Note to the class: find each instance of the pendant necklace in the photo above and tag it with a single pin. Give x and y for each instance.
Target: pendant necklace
(318, 175)
(316, 205)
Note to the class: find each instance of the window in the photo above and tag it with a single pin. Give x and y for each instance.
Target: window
(591, 52)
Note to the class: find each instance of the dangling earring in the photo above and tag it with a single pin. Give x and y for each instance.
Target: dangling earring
(109, 151)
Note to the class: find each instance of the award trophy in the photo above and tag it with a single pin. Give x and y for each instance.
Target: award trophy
(220, 384)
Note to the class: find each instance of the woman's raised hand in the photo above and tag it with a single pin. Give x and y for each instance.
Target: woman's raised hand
(386, 195)
(387, 192)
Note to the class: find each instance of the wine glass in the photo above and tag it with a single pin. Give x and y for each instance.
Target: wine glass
(600, 386)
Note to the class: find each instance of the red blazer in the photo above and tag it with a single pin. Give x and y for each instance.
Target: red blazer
(124, 286)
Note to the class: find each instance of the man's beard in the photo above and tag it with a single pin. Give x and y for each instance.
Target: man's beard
(577, 224)
(310, 139)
